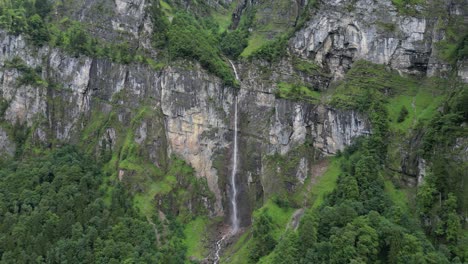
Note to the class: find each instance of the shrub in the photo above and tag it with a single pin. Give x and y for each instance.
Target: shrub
(273, 50)
(403, 114)
(38, 30)
(189, 40)
(233, 43)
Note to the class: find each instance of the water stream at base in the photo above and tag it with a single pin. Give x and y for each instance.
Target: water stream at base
(218, 248)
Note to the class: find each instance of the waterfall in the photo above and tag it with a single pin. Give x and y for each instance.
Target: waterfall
(235, 70)
(234, 218)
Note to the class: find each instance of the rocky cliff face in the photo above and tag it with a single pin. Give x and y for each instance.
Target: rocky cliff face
(196, 115)
(345, 31)
(116, 21)
(103, 105)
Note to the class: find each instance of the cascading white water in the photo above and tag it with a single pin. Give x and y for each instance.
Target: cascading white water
(218, 249)
(235, 70)
(234, 218)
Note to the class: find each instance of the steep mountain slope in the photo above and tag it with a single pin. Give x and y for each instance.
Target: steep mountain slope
(147, 89)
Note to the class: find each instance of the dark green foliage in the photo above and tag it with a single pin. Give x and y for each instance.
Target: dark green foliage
(26, 17)
(442, 198)
(367, 84)
(20, 134)
(445, 126)
(160, 25)
(3, 107)
(31, 18)
(52, 210)
(233, 43)
(43, 7)
(272, 51)
(297, 91)
(306, 66)
(403, 114)
(407, 7)
(263, 242)
(13, 20)
(188, 39)
(461, 51)
(38, 30)
(358, 222)
(79, 41)
(307, 231)
(29, 75)
(189, 189)
(287, 250)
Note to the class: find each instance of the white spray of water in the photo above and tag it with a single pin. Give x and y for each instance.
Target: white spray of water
(218, 248)
(234, 218)
(235, 70)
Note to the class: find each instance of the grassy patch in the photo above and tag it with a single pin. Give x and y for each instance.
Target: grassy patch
(280, 216)
(145, 201)
(223, 17)
(297, 92)
(256, 41)
(366, 83)
(239, 252)
(422, 102)
(195, 232)
(397, 196)
(326, 183)
(407, 7)
(305, 66)
(166, 8)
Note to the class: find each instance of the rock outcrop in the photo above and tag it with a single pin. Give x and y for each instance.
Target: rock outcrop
(342, 32)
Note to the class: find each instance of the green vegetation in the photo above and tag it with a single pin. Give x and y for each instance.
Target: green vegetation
(358, 221)
(233, 43)
(184, 38)
(32, 18)
(297, 92)
(255, 41)
(306, 66)
(29, 76)
(407, 7)
(420, 101)
(366, 84)
(114, 204)
(283, 186)
(273, 50)
(402, 115)
(52, 211)
(189, 39)
(240, 251)
(272, 29)
(195, 232)
(356, 214)
(454, 46)
(326, 184)
(268, 226)
(443, 196)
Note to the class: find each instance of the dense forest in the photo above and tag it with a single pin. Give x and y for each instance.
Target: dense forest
(54, 210)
